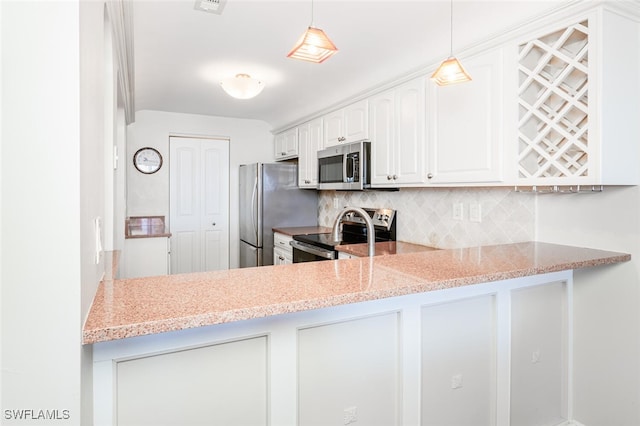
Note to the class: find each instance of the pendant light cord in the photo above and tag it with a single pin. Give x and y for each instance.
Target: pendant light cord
(450, 28)
(311, 13)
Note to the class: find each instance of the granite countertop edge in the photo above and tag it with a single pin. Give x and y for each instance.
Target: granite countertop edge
(151, 305)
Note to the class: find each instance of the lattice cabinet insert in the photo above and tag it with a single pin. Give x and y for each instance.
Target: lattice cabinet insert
(553, 104)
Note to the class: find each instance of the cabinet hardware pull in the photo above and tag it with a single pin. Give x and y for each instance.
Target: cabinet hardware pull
(213, 224)
(395, 177)
(280, 257)
(430, 176)
(388, 177)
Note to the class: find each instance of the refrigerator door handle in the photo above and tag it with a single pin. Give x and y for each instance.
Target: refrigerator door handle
(254, 211)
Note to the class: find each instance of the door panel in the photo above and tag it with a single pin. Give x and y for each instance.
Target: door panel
(199, 198)
(215, 251)
(184, 251)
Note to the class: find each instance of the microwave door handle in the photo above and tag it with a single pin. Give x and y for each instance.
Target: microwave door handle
(353, 169)
(345, 158)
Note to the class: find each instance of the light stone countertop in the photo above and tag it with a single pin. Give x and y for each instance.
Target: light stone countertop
(150, 305)
(383, 248)
(303, 230)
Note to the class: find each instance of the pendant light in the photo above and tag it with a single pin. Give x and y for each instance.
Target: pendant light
(242, 86)
(450, 70)
(313, 45)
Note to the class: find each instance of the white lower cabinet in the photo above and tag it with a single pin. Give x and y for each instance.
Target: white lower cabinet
(282, 250)
(145, 257)
(343, 255)
(497, 353)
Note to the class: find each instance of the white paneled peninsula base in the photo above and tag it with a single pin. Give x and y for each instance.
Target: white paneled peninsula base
(477, 336)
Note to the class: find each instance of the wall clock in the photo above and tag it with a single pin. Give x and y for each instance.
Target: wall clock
(147, 160)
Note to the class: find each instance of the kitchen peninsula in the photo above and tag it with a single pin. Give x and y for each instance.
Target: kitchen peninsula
(402, 334)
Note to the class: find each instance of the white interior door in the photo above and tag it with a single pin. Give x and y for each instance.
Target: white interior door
(199, 204)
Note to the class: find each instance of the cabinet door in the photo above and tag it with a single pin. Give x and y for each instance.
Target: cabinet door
(348, 124)
(286, 144)
(465, 144)
(397, 121)
(279, 146)
(281, 257)
(382, 111)
(282, 241)
(309, 142)
(333, 128)
(410, 128)
(356, 121)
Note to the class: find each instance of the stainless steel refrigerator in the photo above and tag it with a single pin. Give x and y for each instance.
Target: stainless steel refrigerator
(270, 197)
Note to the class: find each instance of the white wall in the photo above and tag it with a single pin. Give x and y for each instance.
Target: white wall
(52, 177)
(607, 300)
(250, 141)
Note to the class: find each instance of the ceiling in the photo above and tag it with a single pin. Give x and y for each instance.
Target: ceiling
(181, 53)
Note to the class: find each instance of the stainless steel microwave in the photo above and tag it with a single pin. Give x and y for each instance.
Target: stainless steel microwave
(345, 167)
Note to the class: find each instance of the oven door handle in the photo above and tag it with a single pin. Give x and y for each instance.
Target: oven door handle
(327, 254)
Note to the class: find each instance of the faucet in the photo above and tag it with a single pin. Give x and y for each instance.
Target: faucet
(371, 233)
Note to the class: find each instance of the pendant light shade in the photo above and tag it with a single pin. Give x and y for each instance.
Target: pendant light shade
(313, 46)
(242, 86)
(450, 70)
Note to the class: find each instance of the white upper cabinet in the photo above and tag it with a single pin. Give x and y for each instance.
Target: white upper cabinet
(466, 125)
(309, 143)
(397, 126)
(578, 97)
(348, 124)
(286, 144)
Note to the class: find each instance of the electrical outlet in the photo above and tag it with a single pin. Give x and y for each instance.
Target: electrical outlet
(336, 203)
(475, 212)
(456, 381)
(535, 356)
(458, 211)
(350, 415)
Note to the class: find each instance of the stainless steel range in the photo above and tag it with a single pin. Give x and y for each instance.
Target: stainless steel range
(313, 247)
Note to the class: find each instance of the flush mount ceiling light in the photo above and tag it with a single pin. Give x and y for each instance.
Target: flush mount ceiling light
(242, 86)
(313, 45)
(450, 70)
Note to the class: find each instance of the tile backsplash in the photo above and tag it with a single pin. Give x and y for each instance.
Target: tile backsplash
(425, 215)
